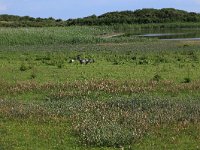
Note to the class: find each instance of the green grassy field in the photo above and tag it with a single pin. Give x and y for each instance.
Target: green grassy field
(138, 94)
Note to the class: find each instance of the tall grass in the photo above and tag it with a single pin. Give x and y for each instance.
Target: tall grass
(57, 35)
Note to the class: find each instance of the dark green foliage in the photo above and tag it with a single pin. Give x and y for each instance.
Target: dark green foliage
(143, 16)
(24, 67)
(157, 77)
(134, 58)
(26, 21)
(33, 74)
(160, 59)
(143, 62)
(116, 62)
(186, 80)
(60, 65)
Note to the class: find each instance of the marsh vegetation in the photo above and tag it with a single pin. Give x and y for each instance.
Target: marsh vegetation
(140, 93)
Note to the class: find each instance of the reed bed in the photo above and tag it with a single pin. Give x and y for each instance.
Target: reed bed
(59, 35)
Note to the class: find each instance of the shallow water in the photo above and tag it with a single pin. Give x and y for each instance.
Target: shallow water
(170, 34)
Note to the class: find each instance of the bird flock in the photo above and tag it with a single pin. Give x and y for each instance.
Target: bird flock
(82, 60)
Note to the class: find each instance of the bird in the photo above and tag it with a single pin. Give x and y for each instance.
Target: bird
(85, 60)
(71, 60)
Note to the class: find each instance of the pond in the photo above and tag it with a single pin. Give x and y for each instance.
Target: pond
(170, 34)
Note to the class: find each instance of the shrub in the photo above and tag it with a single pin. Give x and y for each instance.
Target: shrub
(24, 67)
(157, 77)
(186, 80)
(60, 65)
(33, 75)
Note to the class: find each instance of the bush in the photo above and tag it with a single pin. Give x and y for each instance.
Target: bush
(60, 65)
(33, 75)
(186, 80)
(157, 78)
(24, 67)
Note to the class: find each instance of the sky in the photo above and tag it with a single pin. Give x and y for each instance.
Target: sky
(66, 9)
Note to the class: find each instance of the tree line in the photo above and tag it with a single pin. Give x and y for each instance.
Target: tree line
(140, 16)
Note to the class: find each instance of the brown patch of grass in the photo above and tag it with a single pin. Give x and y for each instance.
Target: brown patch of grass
(106, 86)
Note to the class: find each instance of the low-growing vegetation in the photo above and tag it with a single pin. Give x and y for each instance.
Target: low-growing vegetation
(137, 93)
(121, 123)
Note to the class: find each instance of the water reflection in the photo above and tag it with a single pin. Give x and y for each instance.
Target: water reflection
(172, 34)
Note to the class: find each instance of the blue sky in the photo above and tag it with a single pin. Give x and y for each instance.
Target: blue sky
(66, 9)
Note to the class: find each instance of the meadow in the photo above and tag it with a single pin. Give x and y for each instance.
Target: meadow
(140, 93)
